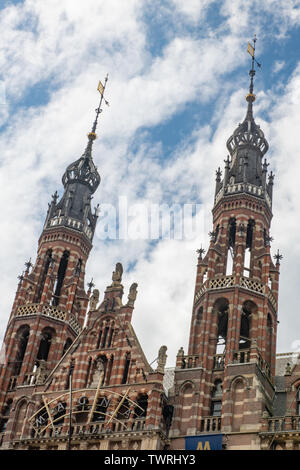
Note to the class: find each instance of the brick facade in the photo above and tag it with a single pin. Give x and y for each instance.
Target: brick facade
(75, 375)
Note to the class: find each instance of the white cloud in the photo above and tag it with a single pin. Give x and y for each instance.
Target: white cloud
(60, 44)
(278, 66)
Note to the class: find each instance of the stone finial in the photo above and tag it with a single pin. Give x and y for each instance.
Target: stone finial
(162, 359)
(180, 352)
(94, 299)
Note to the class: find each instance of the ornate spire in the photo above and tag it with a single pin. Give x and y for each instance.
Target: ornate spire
(80, 181)
(248, 134)
(84, 169)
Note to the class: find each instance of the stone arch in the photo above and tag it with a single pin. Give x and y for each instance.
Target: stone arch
(186, 384)
(20, 411)
(186, 401)
(238, 390)
(236, 379)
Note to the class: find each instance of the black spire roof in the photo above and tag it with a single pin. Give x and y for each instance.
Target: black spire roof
(80, 180)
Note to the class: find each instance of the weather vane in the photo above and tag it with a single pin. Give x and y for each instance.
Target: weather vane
(251, 51)
(101, 88)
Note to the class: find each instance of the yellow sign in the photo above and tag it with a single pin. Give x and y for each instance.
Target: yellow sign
(205, 447)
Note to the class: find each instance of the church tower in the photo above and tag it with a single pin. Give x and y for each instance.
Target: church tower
(51, 302)
(226, 378)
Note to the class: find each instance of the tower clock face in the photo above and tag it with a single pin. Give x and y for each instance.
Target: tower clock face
(90, 413)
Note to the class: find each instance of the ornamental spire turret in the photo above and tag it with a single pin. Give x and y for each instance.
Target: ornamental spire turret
(80, 181)
(245, 169)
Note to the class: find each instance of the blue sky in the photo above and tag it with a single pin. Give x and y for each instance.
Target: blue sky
(178, 76)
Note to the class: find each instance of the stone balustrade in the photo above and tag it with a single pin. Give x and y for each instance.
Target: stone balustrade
(282, 424)
(225, 282)
(210, 424)
(49, 311)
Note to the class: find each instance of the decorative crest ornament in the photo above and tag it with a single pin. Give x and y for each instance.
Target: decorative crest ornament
(212, 236)
(200, 252)
(91, 284)
(278, 257)
(55, 197)
(28, 265)
(218, 174)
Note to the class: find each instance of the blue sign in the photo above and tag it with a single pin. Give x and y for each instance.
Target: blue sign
(204, 442)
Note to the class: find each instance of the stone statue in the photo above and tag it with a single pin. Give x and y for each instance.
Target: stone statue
(132, 294)
(117, 274)
(98, 374)
(162, 359)
(94, 299)
(41, 373)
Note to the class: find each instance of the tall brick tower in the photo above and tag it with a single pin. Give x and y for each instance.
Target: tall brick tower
(73, 377)
(50, 303)
(224, 384)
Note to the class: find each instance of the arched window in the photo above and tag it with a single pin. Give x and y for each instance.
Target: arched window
(269, 341)
(245, 329)
(126, 368)
(216, 398)
(45, 343)
(60, 278)
(23, 336)
(221, 310)
(124, 410)
(5, 415)
(231, 244)
(106, 334)
(199, 315)
(67, 345)
(59, 413)
(140, 411)
(47, 262)
(109, 370)
(101, 409)
(298, 401)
